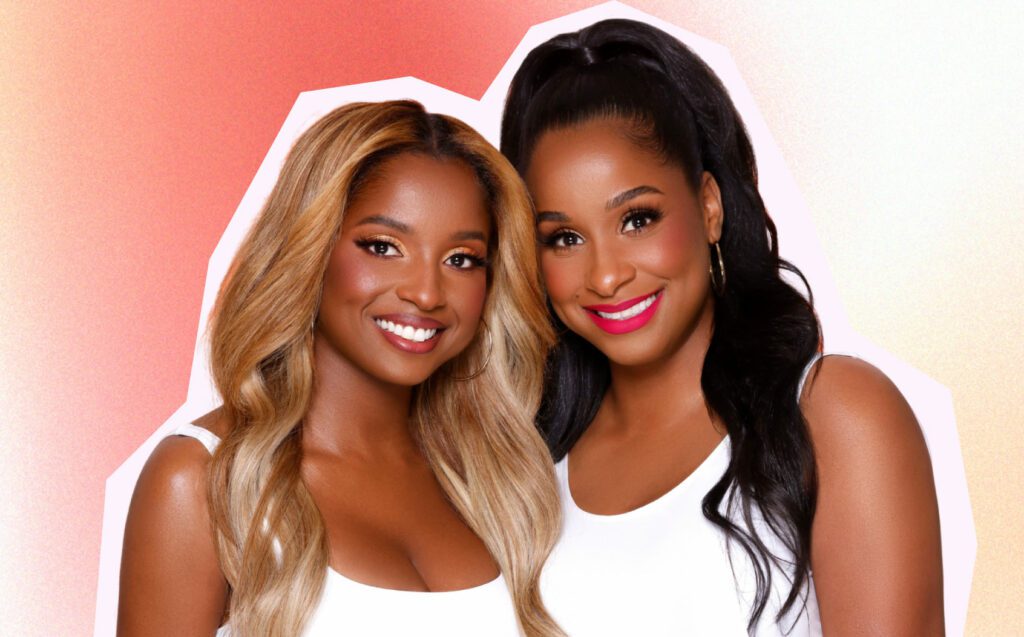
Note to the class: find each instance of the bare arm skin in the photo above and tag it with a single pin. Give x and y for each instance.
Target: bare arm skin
(875, 549)
(171, 583)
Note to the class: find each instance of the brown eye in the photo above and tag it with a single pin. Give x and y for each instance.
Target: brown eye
(380, 248)
(563, 239)
(464, 261)
(636, 220)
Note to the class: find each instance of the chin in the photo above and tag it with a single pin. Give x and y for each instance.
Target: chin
(642, 347)
(405, 375)
(635, 356)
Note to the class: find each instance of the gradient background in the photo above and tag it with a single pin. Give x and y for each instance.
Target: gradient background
(128, 134)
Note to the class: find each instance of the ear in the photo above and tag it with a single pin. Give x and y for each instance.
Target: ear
(710, 199)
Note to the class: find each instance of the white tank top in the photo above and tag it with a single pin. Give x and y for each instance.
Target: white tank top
(663, 569)
(348, 607)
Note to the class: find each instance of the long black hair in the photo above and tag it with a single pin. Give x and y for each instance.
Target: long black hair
(765, 332)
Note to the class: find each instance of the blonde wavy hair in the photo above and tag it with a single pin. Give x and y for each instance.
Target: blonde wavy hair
(477, 434)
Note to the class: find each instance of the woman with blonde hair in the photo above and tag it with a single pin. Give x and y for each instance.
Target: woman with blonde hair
(378, 344)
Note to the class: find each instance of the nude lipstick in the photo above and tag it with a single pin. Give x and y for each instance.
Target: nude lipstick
(409, 333)
(627, 316)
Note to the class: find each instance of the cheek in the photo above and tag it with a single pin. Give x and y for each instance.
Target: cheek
(562, 276)
(469, 296)
(679, 249)
(352, 278)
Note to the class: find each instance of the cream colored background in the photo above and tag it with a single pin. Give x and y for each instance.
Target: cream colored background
(903, 127)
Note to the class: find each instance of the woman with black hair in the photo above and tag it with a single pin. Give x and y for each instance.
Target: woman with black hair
(702, 478)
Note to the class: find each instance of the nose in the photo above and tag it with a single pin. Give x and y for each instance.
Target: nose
(607, 272)
(423, 286)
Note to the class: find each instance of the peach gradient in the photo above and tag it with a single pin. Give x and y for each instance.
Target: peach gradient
(130, 133)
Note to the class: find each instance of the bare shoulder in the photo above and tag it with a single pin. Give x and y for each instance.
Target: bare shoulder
(851, 405)
(171, 581)
(875, 545)
(175, 474)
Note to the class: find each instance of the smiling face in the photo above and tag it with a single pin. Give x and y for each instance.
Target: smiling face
(406, 281)
(624, 241)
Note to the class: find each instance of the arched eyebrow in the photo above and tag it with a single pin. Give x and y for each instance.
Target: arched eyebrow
(462, 235)
(551, 215)
(470, 235)
(611, 204)
(632, 193)
(386, 221)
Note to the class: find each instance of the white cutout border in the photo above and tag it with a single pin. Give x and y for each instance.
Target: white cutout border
(931, 402)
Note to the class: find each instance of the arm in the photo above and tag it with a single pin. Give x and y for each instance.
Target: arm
(171, 583)
(875, 546)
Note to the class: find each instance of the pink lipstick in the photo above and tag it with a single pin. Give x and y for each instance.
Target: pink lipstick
(627, 316)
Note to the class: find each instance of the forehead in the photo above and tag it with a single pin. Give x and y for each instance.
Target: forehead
(594, 159)
(422, 192)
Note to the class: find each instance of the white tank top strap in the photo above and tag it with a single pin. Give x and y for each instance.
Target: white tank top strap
(804, 374)
(205, 436)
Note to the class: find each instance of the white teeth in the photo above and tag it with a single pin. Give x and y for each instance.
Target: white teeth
(629, 312)
(408, 332)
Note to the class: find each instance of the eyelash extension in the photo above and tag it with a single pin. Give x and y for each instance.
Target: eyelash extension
(365, 244)
(652, 214)
(549, 240)
(480, 262)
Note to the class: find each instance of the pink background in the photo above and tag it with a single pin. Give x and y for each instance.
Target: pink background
(130, 134)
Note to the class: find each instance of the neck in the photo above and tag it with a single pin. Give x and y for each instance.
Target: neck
(351, 411)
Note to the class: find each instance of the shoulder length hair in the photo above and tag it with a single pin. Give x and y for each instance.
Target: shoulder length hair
(765, 332)
(478, 434)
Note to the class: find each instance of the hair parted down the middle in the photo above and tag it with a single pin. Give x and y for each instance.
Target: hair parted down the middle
(478, 434)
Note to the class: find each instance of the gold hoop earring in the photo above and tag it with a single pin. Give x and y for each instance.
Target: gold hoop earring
(717, 282)
(487, 357)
